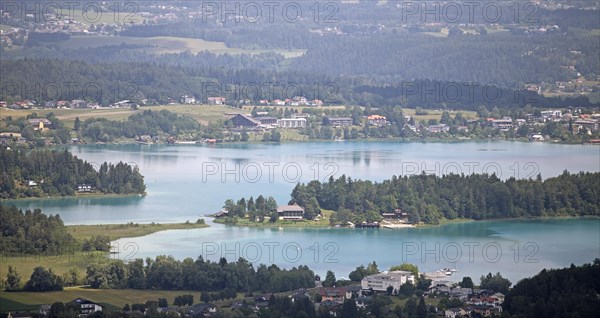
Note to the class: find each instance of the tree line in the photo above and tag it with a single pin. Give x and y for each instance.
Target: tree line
(167, 273)
(429, 198)
(32, 232)
(43, 172)
(148, 122)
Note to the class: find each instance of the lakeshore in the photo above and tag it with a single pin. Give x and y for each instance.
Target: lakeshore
(78, 196)
(61, 263)
(180, 188)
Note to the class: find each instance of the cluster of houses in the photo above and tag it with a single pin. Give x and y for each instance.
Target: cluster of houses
(84, 307)
(588, 122)
(480, 303)
(294, 101)
(76, 103)
(37, 124)
(220, 100)
(333, 298)
(13, 36)
(87, 307)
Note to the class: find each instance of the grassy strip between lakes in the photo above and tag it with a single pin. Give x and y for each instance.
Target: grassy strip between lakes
(117, 231)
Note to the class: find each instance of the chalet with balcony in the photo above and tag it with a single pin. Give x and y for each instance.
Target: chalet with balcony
(290, 212)
(85, 306)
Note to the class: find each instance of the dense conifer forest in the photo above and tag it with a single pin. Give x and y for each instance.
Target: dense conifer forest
(44, 172)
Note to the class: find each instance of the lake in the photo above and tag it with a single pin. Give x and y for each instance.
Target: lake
(185, 182)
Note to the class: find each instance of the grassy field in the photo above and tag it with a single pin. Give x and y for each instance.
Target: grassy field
(69, 115)
(402, 302)
(437, 114)
(163, 44)
(62, 263)
(202, 113)
(106, 16)
(117, 298)
(286, 135)
(117, 231)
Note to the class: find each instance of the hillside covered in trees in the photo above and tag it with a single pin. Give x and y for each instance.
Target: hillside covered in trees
(32, 232)
(554, 293)
(187, 74)
(46, 172)
(429, 198)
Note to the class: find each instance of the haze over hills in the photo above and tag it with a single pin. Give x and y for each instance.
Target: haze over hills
(361, 47)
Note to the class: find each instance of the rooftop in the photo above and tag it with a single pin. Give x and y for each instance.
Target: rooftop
(284, 208)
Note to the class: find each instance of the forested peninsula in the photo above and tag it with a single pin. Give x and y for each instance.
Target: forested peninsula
(429, 199)
(44, 172)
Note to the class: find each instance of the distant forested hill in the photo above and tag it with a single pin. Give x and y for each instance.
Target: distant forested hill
(184, 74)
(503, 59)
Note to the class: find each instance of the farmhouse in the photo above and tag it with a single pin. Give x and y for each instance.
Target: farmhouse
(240, 121)
(85, 306)
(40, 124)
(290, 212)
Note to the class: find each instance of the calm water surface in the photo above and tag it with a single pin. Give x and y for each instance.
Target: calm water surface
(187, 181)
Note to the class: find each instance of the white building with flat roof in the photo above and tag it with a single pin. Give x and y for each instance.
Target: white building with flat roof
(380, 282)
(292, 122)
